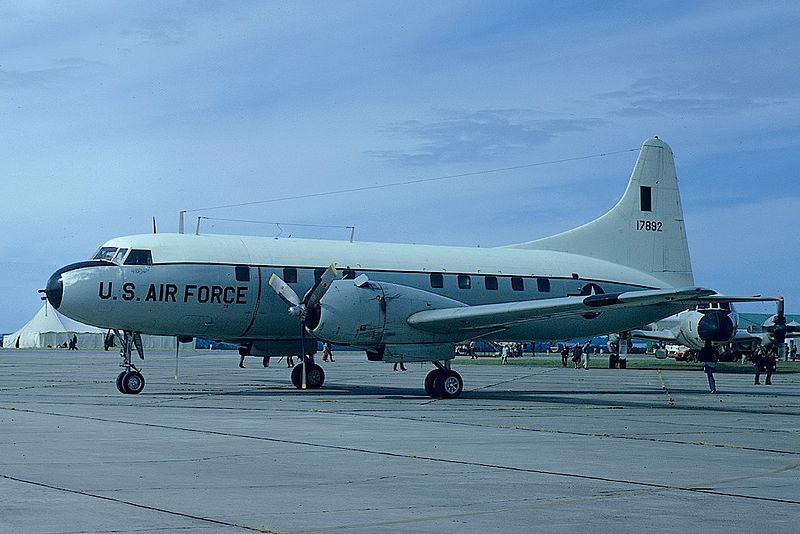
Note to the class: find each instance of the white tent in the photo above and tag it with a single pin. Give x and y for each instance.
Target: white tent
(48, 328)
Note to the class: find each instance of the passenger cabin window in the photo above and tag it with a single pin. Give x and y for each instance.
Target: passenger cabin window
(437, 281)
(105, 253)
(139, 257)
(318, 275)
(290, 275)
(543, 285)
(242, 273)
(491, 282)
(464, 281)
(517, 283)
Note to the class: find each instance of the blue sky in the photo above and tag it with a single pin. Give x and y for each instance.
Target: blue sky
(114, 112)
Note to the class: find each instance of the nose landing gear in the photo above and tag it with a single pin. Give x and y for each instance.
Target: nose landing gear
(130, 381)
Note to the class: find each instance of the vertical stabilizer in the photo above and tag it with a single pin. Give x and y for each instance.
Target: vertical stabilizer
(645, 230)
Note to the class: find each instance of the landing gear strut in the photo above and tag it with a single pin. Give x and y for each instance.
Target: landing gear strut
(443, 382)
(130, 381)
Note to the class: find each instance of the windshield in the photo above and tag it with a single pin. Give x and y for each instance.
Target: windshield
(112, 254)
(105, 253)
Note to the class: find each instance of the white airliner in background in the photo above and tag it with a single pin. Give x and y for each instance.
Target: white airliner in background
(397, 302)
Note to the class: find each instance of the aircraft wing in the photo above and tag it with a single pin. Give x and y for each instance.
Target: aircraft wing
(505, 315)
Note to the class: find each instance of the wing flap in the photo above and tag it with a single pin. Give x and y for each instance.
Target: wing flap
(504, 315)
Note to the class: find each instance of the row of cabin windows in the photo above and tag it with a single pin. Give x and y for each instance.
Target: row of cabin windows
(490, 282)
(437, 279)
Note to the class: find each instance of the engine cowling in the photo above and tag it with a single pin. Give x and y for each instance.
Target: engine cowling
(370, 315)
(718, 326)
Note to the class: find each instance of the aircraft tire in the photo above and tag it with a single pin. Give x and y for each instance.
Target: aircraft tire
(132, 382)
(315, 376)
(429, 380)
(119, 382)
(297, 376)
(448, 384)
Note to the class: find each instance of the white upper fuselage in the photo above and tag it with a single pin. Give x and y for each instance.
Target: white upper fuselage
(191, 288)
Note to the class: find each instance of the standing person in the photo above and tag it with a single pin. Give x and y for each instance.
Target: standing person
(73, 343)
(758, 363)
(242, 354)
(327, 352)
(577, 354)
(586, 348)
(708, 355)
(564, 355)
(793, 352)
(265, 361)
(402, 367)
(473, 355)
(504, 355)
(770, 364)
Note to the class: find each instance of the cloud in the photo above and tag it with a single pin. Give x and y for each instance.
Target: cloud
(480, 135)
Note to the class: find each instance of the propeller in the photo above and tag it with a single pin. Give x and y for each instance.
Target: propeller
(778, 328)
(302, 308)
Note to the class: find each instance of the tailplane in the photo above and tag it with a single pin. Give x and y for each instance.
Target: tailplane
(644, 231)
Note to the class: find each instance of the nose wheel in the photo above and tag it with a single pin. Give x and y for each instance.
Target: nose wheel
(130, 381)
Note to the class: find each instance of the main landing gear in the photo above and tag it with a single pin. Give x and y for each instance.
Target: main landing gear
(315, 376)
(130, 381)
(443, 382)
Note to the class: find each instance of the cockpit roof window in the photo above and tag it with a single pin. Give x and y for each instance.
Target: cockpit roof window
(105, 253)
(139, 257)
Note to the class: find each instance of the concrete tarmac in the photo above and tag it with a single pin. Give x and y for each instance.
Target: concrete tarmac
(525, 449)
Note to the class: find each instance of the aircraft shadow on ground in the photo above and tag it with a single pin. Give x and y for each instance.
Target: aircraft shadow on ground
(653, 398)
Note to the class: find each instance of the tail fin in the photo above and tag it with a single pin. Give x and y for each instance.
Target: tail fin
(644, 231)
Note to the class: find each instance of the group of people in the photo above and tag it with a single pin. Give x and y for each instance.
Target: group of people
(580, 355)
(764, 361)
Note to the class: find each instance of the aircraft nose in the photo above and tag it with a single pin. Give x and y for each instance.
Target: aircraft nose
(55, 289)
(716, 326)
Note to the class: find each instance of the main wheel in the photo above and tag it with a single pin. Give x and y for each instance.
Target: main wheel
(132, 382)
(429, 380)
(119, 382)
(315, 376)
(297, 376)
(448, 384)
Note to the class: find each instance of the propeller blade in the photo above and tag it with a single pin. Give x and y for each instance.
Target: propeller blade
(284, 291)
(318, 291)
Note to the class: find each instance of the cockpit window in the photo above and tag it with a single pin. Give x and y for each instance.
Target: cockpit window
(139, 257)
(105, 253)
(119, 255)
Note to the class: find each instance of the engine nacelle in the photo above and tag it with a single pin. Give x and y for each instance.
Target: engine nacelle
(371, 315)
(697, 327)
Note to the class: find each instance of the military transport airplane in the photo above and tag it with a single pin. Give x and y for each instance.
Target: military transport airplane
(718, 322)
(396, 302)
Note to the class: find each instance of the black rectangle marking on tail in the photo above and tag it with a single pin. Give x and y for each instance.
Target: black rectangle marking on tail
(645, 198)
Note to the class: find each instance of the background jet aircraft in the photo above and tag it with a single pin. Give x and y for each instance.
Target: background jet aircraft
(397, 302)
